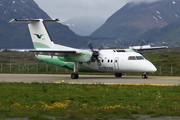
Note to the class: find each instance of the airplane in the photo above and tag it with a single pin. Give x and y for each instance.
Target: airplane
(116, 61)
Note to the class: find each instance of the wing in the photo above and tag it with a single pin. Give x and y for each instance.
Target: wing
(147, 47)
(65, 55)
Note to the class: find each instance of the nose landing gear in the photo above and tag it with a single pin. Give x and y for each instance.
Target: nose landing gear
(144, 76)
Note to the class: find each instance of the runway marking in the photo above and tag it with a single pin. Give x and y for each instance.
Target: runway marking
(121, 84)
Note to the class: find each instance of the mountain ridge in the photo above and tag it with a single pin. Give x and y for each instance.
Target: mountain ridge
(134, 19)
(168, 35)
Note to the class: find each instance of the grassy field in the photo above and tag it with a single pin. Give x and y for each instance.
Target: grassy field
(39, 100)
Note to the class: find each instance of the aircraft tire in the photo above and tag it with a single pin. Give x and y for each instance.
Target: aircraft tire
(118, 74)
(74, 76)
(144, 76)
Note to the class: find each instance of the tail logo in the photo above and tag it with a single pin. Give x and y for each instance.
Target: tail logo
(39, 36)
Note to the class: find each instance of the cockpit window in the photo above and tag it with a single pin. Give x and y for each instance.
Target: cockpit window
(132, 58)
(139, 58)
(135, 58)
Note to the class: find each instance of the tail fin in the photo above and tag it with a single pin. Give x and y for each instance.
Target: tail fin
(39, 34)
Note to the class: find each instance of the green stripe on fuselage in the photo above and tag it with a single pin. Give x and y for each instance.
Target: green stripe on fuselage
(68, 65)
(39, 45)
(84, 56)
(129, 50)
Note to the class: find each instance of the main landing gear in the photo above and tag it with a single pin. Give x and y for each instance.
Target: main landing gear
(118, 74)
(75, 75)
(144, 76)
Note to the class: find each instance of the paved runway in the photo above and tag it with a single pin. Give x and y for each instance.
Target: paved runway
(159, 80)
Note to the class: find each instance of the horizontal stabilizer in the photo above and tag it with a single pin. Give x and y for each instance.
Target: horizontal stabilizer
(31, 20)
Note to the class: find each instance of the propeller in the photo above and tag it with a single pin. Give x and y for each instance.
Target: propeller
(95, 53)
(140, 47)
(142, 43)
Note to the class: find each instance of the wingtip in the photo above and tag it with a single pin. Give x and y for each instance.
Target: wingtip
(57, 19)
(13, 20)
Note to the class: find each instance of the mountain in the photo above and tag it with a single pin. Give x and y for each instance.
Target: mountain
(136, 18)
(85, 25)
(17, 35)
(168, 35)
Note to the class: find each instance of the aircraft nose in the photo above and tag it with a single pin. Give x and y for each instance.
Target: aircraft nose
(151, 67)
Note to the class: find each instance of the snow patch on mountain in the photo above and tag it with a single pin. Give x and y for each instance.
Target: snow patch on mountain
(173, 2)
(155, 18)
(160, 17)
(23, 1)
(176, 15)
(158, 12)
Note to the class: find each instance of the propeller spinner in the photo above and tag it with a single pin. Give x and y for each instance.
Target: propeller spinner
(95, 53)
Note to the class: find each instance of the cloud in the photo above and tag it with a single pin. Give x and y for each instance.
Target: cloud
(67, 9)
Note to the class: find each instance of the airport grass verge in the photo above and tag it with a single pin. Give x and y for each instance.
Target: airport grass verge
(74, 101)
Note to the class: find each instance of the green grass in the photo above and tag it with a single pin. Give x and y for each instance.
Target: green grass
(67, 101)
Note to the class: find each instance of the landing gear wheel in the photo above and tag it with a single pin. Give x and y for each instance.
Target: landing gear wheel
(144, 76)
(118, 74)
(74, 76)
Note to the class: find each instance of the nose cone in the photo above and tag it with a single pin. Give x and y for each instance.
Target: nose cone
(153, 68)
(150, 67)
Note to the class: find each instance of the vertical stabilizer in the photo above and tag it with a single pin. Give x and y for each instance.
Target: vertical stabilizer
(39, 34)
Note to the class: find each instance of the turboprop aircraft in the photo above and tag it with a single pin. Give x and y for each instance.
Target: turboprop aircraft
(116, 61)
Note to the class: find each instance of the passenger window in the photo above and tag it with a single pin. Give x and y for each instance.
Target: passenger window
(102, 61)
(108, 61)
(111, 61)
(132, 58)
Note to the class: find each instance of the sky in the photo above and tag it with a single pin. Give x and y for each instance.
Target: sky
(67, 9)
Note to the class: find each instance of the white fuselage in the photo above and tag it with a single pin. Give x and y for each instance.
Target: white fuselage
(109, 61)
(113, 61)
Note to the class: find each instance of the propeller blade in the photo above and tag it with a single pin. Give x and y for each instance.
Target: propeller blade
(142, 43)
(101, 47)
(90, 46)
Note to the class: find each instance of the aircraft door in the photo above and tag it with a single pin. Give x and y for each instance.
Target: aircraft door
(116, 63)
(99, 63)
